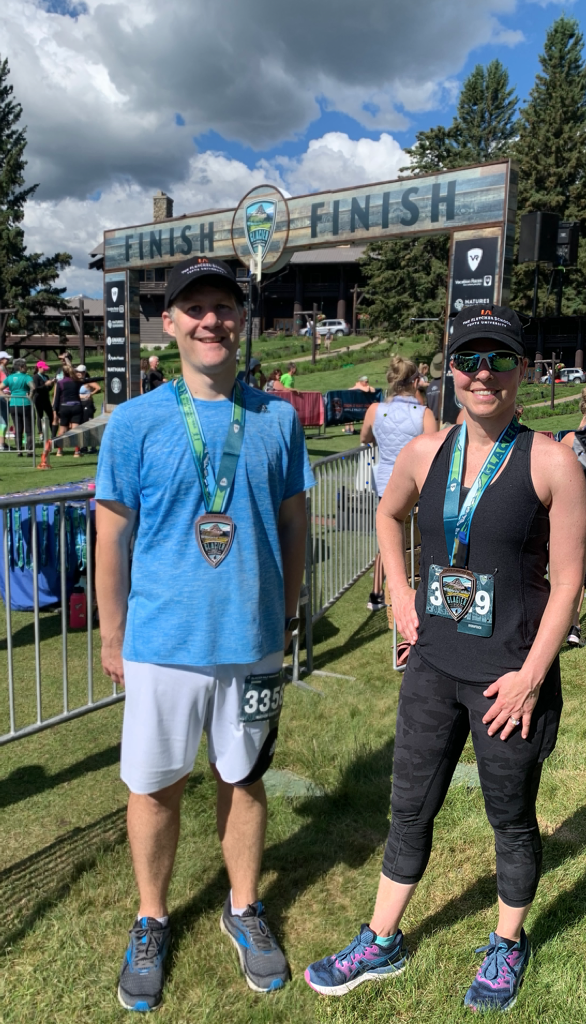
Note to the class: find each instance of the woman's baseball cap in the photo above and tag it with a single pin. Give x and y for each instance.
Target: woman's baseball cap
(499, 323)
(42, 366)
(81, 368)
(201, 268)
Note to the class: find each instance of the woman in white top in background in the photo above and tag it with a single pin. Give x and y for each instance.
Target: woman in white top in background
(392, 424)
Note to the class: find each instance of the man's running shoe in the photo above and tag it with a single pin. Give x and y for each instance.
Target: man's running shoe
(142, 977)
(261, 959)
(575, 637)
(362, 960)
(497, 982)
(376, 602)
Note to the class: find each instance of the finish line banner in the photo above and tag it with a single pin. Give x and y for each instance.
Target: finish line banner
(463, 198)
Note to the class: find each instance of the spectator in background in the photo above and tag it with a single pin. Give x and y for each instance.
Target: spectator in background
(251, 377)
(65, 358)
(423, 369)
(144, 369)
(328, 339)
(435, 385)
(363, 385)
(274, 381)
(392, 424)
(576, 440)
(88, 389)
(41, 398)
(20, 386)
(67, 403)
(287, 379)
(155, 377)
(4, 360)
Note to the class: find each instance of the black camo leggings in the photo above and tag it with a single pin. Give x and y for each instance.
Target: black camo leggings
(435, 715)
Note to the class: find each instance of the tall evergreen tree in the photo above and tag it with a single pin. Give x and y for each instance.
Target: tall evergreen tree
(551, 153)
(483, 129)
(26, 279)
(408, 277)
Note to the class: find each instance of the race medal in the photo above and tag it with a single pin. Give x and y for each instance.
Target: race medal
(457, 589)
(452, 595)
(214, 534)
(214, 531)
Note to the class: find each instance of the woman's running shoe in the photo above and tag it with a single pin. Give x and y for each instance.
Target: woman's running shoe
(362, 960)
(499, 977)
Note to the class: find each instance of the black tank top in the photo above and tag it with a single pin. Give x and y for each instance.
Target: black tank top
(509, 537)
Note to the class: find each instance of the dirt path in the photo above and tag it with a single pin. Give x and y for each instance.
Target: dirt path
(558, 401)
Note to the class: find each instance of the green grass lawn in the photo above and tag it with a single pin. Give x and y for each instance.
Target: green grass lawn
(69, 895)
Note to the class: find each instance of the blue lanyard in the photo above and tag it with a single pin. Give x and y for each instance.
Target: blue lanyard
(457, 522)
(217, 500)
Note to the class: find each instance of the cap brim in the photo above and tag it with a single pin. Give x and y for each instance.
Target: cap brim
(217, 280)
(476, 335)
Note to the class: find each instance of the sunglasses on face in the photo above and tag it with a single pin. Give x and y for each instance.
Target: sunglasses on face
(500, 362)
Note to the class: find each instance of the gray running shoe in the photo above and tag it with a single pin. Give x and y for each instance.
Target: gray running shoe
(262, 961)
(141, 976)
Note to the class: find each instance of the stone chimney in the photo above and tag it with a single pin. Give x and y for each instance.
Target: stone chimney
(162, 206)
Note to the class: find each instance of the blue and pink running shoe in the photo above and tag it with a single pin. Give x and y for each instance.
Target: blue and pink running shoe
(497, 982)
(362, 960)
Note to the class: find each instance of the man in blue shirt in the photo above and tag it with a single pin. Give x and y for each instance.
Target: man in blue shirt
(208, 476)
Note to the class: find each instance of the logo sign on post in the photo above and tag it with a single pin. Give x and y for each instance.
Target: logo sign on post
(115, 321)
(261, 219)
(474, 273)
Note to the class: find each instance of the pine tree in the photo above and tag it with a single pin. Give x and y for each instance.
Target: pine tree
(483, 129)
(26, 279)
(408, 276)
(551, 153)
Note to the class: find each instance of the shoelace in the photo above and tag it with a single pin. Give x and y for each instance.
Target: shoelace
(143, 953)
(260, 933)
(495, 961)
(346, 954)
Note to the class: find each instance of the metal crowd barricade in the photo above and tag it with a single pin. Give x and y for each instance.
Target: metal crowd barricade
(21, 425)
(341, 533)
(70, 706)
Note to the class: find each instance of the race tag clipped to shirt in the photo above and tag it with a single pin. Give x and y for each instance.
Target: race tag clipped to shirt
(263, 697)
(464, 596)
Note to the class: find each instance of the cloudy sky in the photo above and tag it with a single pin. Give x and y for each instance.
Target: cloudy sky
(207, 99)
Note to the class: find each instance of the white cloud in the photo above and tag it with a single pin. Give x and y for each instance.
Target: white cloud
(213, 181)
(100, 91)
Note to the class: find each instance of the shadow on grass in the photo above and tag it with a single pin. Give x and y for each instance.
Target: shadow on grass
(24, 636)
(343, 827)
(32, 779)
(31, 886)
(374, 626)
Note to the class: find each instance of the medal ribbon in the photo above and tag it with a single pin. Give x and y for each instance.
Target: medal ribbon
(457, 522)
(217, 501)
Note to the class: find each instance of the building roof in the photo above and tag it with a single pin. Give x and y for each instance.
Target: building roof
(92, 307)
(336, 254)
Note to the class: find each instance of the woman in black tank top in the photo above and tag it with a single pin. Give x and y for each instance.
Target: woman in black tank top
(498, 504)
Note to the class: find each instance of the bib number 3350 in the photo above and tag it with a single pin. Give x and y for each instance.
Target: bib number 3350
(263, 697)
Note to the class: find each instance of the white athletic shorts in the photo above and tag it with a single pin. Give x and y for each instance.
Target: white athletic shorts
(167, 708)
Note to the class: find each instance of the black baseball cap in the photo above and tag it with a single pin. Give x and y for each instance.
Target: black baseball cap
(201, 268)
(499, 323)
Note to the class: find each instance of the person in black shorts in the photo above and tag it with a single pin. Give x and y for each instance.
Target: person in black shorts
(497, 503)
(67, 403)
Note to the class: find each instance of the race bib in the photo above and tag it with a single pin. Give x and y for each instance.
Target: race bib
(263, 697)
(464, 596)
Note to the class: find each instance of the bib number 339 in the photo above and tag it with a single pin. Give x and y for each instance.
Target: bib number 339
(263, 697)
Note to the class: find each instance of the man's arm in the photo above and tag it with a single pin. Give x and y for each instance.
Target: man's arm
(114, 526)
(292, 534)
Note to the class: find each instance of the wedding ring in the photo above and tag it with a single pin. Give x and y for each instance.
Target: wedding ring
(515, 721)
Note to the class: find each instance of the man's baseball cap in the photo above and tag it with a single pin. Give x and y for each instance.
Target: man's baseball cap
(499, 323)
(254, 363)
(201, 268)
(81, 368)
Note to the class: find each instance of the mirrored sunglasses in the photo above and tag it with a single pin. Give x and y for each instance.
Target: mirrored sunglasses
(500, 362)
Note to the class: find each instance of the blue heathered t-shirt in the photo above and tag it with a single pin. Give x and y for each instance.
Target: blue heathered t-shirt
(181, 611)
